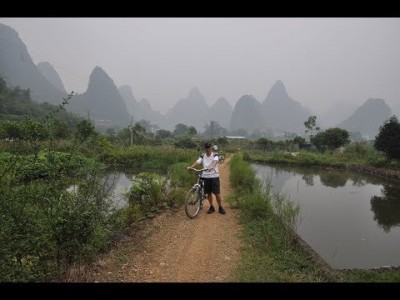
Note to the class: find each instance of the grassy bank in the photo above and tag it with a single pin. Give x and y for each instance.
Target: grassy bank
(361, 159)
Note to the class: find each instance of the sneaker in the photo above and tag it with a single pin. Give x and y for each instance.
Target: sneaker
(211, 210)
(221, 210)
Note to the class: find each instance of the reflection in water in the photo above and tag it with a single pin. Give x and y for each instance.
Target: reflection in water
(387, 207)
(352, 220)
(331, 179)
(308, 179)
(115, 184)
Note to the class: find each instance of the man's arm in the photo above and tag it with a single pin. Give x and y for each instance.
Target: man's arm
(213, 164)
(193, 165)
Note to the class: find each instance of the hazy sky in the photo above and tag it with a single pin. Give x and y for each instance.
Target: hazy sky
(321, 61)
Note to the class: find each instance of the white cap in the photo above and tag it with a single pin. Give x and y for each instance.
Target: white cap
(215, 147)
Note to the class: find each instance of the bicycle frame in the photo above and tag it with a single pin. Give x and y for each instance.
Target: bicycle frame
(195, 196)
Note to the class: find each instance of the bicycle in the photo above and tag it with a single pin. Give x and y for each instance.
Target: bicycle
(220, 156)
(195, 196)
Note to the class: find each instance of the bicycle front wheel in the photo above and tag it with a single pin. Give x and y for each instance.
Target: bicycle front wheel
(192, 203)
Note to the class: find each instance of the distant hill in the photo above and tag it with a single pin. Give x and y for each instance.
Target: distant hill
(16, 104)
(131, 103)
(368, 118)
(277, 114)
(18, 69)
(147, 113)
(246, 114)
(281, 113)
(191, 111)
(337, 113)
(141, 110)
(102, 101)
(221, 112)
(51, 75)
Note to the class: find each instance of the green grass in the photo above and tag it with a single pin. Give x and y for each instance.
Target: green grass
(374, 275)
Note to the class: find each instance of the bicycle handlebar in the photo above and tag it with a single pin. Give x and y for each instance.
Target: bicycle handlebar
(198, 170)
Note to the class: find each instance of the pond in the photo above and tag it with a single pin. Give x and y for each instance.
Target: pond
(350, 219)
(116, 182)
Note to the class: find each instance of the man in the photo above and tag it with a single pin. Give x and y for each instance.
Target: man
(211, 177)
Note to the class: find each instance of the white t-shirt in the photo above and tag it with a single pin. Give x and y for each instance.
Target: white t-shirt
(207, 160)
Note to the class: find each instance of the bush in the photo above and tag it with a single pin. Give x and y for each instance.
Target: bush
(149, 191)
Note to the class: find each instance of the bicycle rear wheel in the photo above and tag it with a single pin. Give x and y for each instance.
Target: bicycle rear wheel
(192, 203)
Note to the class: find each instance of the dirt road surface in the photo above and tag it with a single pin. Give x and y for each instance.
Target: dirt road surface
(174, 248)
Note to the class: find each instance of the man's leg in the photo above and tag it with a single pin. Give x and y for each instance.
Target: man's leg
(208, 190)
(210, 198)
(219, 199)
(217, 192)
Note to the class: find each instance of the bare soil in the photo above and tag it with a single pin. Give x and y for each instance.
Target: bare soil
(173, 248)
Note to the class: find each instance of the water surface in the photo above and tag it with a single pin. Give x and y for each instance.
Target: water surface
(350, 219)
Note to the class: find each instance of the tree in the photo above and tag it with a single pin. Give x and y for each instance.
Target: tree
(61, 130)
(214, 129)
(84, 129)
(264, 144)
(299, 140)
(139, 127)
(163, 134)
(12, 130)
(125, 136)
(310, 125)
(3, 84)
(145, 124)
(331, 138)
(180, 129)
(110, 131)
(137, 133)
(192, 131)
(388, 139)
(185, 142)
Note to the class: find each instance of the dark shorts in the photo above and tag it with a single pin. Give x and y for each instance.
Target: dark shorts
(211, 185)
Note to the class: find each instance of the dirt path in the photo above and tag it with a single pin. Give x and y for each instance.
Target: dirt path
(174, 248)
